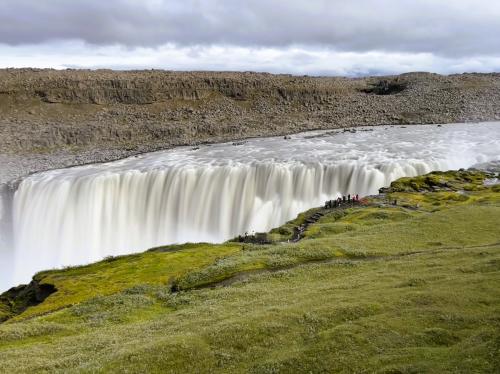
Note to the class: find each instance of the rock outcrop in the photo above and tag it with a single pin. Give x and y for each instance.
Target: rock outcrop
(18, 299)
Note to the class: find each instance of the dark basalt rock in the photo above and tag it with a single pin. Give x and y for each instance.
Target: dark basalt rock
(18, 299)
(385, 87)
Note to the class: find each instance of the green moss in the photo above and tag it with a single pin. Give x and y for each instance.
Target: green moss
(437, 180)
(376, 216)
(5, 311)
(112, 275)
(436, 336)
(255, 258)
(328, 229)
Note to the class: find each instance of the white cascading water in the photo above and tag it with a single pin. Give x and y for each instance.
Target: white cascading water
(213, 193)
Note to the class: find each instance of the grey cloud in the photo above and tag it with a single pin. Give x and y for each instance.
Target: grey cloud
(294, 60)
(446, 27)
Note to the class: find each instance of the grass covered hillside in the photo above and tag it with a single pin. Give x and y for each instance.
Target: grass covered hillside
(410, 287)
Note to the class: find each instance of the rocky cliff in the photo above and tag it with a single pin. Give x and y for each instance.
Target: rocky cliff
(52, 118)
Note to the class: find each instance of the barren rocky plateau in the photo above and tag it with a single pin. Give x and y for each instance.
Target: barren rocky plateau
(53, 118)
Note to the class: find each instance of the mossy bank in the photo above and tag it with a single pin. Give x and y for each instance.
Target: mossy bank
(404, 282)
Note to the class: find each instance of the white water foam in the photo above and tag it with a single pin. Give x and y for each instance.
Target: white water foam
(213, 193)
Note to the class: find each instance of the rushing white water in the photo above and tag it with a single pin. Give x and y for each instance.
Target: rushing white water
(212, 193)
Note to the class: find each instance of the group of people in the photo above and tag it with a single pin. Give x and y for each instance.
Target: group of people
(341, 201)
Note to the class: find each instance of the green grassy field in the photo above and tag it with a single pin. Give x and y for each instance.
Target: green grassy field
(406, 288)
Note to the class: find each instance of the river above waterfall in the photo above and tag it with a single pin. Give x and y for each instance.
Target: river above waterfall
(214, 192)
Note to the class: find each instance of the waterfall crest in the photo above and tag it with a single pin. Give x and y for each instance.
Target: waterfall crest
(91, 217)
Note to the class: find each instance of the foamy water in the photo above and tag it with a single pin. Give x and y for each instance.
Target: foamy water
(213, 193)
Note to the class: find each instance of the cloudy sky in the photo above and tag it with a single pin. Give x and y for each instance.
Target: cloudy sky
(316, 37)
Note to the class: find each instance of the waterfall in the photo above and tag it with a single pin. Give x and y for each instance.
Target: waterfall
(211, 194)
(83, 219)
(6, 230)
